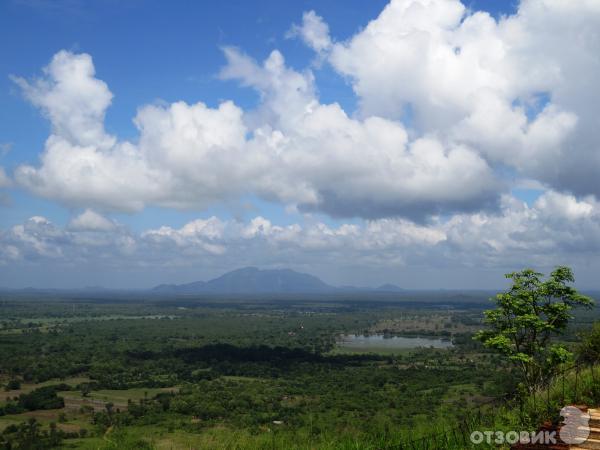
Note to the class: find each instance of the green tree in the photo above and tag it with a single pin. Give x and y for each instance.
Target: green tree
(528, 318)
(13, 385)
(589, 348)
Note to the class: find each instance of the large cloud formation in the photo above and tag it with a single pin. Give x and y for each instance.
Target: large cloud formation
(448, 99)
(455, 109)
(522, 90)
(299, 152)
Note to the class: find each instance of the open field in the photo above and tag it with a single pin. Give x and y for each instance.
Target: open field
(73, 421)
(119, 398)
(28, 387)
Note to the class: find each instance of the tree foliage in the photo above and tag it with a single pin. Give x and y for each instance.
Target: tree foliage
(528, 318)
(589, 348)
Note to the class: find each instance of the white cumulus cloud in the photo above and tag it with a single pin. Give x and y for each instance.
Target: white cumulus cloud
(292, 149)
(455, 109)
(521, 90)
(90, 220)
(313, 31)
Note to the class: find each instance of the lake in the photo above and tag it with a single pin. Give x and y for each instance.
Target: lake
(379, 341)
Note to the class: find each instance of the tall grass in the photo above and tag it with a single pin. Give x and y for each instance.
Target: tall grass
(578, 386)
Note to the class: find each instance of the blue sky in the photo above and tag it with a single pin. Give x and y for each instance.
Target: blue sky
(154, 53)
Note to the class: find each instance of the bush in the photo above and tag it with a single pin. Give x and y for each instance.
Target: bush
(42, 398)
(13, 385)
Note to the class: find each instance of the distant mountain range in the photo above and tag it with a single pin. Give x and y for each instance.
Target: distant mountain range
(245, 281)
(251, 280)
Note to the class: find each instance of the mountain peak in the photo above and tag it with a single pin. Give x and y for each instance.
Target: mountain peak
(251, 280)
(389, 288)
